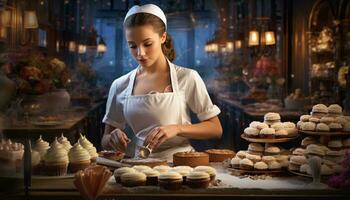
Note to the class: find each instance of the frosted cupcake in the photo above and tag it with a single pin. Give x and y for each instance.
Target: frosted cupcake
(89, 147)
(65, 142)
(170, 181)
(141, 167)
(36, 162)
(198, 179)
(56, 160)
(210, 170)
(184, 173)
(41, 146)
(120, 171)
(162, 168)
(151, 176)
(79, 158)
(133, 179)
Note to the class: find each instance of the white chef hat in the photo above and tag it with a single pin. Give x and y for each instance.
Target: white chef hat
(148, 8)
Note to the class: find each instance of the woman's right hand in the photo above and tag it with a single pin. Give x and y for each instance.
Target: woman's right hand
(118, 140)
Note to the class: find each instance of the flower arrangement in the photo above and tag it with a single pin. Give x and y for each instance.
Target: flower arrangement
(37, 74)
(342, 180)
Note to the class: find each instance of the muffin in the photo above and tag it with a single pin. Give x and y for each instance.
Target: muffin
(162, 168)
(267, 133)
(335, 126)
(322, 127)
(271, 118)
(246, 164)
(41, 146)
(151, 176)
(272, 150)
(133, 179)
(307, 141)
(64, 141)
(235, 162)
(255, 148)
(198, 179)
(251, 132)
(56, 160)
(79, 158)
(141, 167)
(335, 110)
(241, 154)
(274, 165)
(319, 110)
(305, 118)
(36, 162)
(120, 171)
(84, 142)
(254, 158)
(327, 120)
(277, 126)
(210, 170)
(335, 144)
(308, 126)
(260, 166)
(184, 173)
(282, 133)
(170, 180)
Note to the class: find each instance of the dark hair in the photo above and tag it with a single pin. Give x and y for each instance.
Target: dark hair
(140, 19)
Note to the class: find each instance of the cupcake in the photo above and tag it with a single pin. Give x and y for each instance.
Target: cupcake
(335, 126)
(327, 120)
(268, 159)
(267, 133)
(246, 164)
(170, 180)
(255, 148)
(277, 126)
(305, 118)
(120, 171)
(335, 144)
(241, 154)
(307, 141)
(315, 150)
(151, 176)
(251, 132)
(272, 150)
(299, 152)
(260, 166)
(41, 146)
(262, 126)
(335, 110)
(184, 173)
(282, 133)
(162, 168)
(133, 179)
(141, 167)
(64, 141)
(36, 162)
(308, 126)
(56, 160)
(274, 165)
(79, 158)
(254, 158)
(254, 124)
(235, 162)
(198, 179)
(271, 118)
(319, 110)
(322, 127)
(183, 167)
(84, 142)
(210, 170)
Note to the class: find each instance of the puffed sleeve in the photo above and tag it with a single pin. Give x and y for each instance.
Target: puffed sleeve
(114, 109)
(198, 99)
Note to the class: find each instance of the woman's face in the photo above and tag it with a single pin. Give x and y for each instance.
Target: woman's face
(145, 44)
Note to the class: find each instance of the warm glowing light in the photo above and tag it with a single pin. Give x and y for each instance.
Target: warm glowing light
(30, 20)
(71, 46)
(270, 38)
(253, 38)
(81, 48)
(238, 44)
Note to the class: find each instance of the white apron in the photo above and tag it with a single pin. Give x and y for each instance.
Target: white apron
(143, 113)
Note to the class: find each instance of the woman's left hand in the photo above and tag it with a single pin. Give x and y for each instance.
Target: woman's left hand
(161, 134)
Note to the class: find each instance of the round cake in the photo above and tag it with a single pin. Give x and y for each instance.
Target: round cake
(151, 162)
(192, 159)
(219, 155)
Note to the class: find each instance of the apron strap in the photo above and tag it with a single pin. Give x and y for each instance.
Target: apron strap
(173, 77)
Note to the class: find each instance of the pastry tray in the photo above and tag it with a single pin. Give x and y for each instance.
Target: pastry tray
(267, 140)
(321, 133)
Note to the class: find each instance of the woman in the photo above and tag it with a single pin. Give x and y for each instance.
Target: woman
(155, 99)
